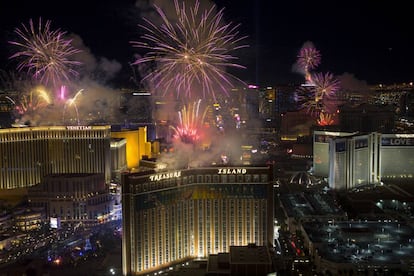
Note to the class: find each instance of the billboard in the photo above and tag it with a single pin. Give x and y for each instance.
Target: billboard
(55, 223)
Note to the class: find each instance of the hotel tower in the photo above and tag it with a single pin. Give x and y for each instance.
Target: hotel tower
(28, 154)
(173, 216)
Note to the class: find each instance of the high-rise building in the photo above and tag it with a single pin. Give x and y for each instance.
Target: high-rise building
(350, 160)
(354, 161)
(118, 158)
(137, 145)
(396, 155)
(321, 139)
(173, 216)
(28, 154)
(366, 118)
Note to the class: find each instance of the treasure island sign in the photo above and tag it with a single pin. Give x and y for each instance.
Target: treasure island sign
(167, 175)
(232, 171)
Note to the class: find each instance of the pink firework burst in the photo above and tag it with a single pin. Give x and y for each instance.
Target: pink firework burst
(189, 129)
(325, 85)
(309, 58)
(320, 96)
(190, 54)
(45, 53)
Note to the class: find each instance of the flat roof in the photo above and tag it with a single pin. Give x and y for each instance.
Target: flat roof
(362, 241)
(250, 254)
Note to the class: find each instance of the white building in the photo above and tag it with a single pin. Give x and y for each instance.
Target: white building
(350, 160)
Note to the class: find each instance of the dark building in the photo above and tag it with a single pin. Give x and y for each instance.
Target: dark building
(366, 118)
(250, 260)
(73, 198)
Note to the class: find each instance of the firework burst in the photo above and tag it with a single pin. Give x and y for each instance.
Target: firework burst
(304, 97)
(45, 53)
(191, 121)
(72, 103)
(192, 53)
(36, 99)
(325, 119)
(309, 58)
(319, 96)
(325, 85)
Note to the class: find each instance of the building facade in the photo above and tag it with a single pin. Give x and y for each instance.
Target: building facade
(137, 145)
(172, 216)
(350, 160)
(118, 158)
(354, 161)
(73, 198)
(397, 156)
(321, 155)
(28, 220)
(30, 153)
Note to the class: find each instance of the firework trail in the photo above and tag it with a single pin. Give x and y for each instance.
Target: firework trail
(72, 103)
(309, 58)
(10, 99)
(190, 54)
(45, 53)
(188, 130)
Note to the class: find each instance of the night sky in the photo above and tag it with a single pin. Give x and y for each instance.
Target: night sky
(370, 40)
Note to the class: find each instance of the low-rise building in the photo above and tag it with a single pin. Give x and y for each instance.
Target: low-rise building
(73, 198)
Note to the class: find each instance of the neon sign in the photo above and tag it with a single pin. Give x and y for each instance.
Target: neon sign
(232, 171)
(78, 127)
(162, 176)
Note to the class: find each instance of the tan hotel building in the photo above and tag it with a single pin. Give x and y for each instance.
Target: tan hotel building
(173, 216)
(28, 154)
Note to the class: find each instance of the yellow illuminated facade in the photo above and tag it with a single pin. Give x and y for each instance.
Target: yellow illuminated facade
(136, 145)
(28, 154)
(173, 216)
(118, 158)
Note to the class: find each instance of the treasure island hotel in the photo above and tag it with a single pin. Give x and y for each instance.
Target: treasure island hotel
(30, 153)
(174, 216)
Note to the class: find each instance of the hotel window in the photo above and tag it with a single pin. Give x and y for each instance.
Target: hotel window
(200, 179)
(232, 178)
(240, 178)
(223, 178)
(256, 178)
(207, 178)
(216, 179)
(264, 178)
